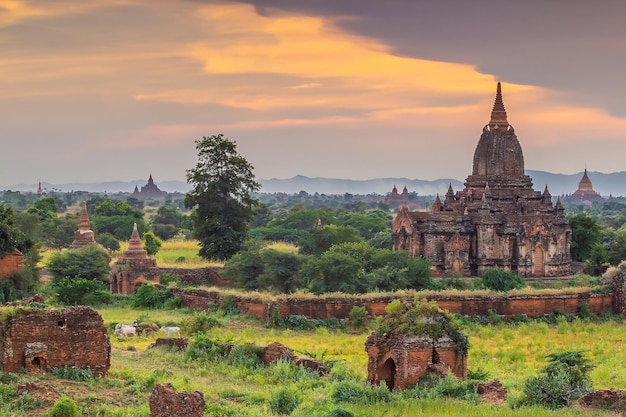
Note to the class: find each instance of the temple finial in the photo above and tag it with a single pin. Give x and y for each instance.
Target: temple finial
(498, 114)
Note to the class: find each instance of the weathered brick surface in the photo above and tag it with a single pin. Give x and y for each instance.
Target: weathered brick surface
(166, 402)
(323, 308)
(179, 343)
(275, 352)
(199, 276)
(11, 262)
(400, 360)
(605, 399)
(42, 339)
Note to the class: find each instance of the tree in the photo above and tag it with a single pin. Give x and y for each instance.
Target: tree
(151, 243)
(585, 233)
(221, 197)
(319, 241)
(10, 236)
(89, 262)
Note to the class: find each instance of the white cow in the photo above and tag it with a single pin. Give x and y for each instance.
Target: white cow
(170, 330)
(125, 330)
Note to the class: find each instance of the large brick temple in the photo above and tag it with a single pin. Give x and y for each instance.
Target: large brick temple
(497, 221)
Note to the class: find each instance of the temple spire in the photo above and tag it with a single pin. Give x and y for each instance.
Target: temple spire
(498, 114)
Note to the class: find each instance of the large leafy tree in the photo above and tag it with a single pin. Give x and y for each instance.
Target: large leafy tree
(585, 233)
(223, 184)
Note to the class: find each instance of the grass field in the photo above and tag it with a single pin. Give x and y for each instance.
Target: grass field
(508, 352)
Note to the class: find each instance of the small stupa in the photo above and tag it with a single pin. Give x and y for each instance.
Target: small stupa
(133, 267)
(84, 235)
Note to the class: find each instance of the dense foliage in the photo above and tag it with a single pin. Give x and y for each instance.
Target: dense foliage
(89, 262)
(223, 183)
(566, 377)
(421, 318)
(500, 280)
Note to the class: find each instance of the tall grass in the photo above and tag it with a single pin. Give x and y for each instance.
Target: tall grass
(508, 352)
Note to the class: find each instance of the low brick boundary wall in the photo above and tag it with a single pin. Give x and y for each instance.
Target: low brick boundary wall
(198, 276)
(324, 308)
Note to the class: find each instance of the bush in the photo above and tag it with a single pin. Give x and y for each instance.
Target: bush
(199, 323)
(358, 317)
(89, 262)
(108, 241)
(73, 373)
(80, 291)
(499, 280)
(284, 401)
(64, 407)
(149, 296)
(151, 243)
(228, 307)
(565, 377)
(203, 348)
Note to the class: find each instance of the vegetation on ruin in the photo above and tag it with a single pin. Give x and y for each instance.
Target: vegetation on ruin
(421, 318)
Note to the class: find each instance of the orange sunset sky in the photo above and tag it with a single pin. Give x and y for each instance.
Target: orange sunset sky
(102, 90)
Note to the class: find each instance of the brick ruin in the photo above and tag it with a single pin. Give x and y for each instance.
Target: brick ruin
(11, 262)
(166, 402)
(41, 339)
(84, 235)
(133, 268)
(497, 221)
(413, 341)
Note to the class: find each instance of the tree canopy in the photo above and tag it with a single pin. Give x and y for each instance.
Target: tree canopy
(221, 197)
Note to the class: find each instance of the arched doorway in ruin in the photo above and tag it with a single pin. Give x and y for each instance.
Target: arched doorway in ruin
(387, 373)
(538, 267)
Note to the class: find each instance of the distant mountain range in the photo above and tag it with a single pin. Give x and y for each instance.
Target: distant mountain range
(558, 184)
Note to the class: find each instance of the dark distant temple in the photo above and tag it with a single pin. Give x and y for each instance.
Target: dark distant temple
(585, 194)
(395, 199)
(148, 192)
(497, 221)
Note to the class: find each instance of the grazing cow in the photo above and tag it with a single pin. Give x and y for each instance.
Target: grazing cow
(125, 330)
(170, 330)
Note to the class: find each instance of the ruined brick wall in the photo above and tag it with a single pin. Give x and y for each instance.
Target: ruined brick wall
(323, 308)
(198, 276)
(166, 402)
(11, 262)
(401, 360)
(43, 339)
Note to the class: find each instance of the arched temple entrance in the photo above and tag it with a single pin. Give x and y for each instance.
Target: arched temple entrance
(387, 373)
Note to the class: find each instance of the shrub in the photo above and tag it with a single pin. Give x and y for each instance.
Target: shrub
(228, 307)
(348, 392)
(565, 377)
(203, 347)
(151, 243)
(73, 373)
(298, 322)
(89, 262)
(149, 296)
(64, 407)
(284, 401)
(200, 322)
(358, 316)
(499, 280)
(80, 291)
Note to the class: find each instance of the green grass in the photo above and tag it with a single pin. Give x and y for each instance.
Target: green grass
(510, 353)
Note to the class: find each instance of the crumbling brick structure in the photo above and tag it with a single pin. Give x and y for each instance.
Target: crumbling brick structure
(11, 262)
(413, 341)
(133, 268)
(497, 221)
(40, 339)
(166, 402)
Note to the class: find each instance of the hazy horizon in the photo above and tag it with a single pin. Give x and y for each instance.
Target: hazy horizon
(117, 89)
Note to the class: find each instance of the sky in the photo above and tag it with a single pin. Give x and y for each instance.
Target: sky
(116, 90)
